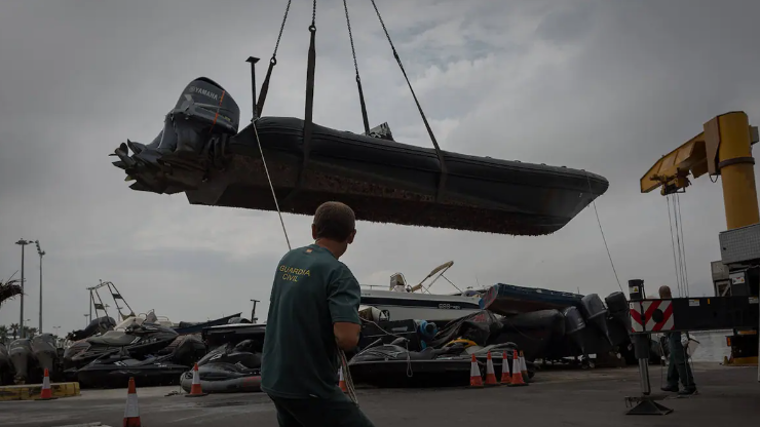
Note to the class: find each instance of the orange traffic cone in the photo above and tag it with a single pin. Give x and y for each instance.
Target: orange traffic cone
(490, 374)
(195, 389)
(505, 377)
(342, 381)
(524, 367)
(47, 392)
(517, 378)
(132, 410)
(475, 379)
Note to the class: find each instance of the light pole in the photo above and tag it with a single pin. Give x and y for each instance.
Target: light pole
(22, 243)
(86, 322)
(40, 252)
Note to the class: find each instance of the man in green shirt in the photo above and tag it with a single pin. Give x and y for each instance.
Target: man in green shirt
(313, 311)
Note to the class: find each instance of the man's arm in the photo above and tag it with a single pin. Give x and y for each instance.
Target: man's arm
(343, 297)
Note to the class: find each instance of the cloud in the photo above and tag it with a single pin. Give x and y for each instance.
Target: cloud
(605, 86)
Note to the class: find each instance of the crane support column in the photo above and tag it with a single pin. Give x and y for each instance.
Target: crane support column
(728, 136)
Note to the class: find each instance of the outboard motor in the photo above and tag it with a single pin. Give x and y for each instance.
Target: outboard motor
(574, 324)
(617, 304)
(204, 109)
(20, 353)
(594, 311)
(197, 128)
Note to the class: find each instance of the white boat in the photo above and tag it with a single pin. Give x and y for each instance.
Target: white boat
(403, 302)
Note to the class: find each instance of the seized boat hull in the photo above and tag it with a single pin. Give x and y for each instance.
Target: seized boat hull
(200, 153)
(508, 299)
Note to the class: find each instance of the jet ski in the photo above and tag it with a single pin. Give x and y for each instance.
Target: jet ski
(159, 369)
(200, 152)
(97, 326)
(134, 335)
(230, 368)
(22, 358)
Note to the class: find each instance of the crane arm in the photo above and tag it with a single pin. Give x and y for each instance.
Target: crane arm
(724, 148)
(695, 157)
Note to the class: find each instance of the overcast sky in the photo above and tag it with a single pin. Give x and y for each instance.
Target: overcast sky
(607, 86)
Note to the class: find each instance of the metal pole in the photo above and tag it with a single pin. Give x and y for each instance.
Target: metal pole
(253, 311)
(255, 110)
(22, 243)
(40, 252)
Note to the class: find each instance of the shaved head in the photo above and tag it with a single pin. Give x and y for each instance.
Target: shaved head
(665, 292)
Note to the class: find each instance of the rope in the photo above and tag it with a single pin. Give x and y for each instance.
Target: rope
(601, 230)
(271, 186)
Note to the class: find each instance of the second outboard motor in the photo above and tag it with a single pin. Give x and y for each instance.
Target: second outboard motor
(45, 351)
(617, 304)
(574, 324)
(594, 311)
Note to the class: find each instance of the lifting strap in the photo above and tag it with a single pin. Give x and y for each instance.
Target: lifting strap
(441, 161)
(307, 125)
(365, 118)
(272, 63)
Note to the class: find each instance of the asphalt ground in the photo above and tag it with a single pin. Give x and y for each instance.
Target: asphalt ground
(589, 398)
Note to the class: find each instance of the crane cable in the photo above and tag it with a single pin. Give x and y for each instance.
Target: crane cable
(678, 244)
(676, 265)
(310, 88)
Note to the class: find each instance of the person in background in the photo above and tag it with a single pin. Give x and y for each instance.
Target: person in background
(678, 363)
(313, 311)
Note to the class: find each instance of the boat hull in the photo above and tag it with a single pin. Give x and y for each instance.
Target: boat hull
(430, 307)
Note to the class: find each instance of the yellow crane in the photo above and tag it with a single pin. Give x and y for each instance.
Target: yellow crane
(724, 148)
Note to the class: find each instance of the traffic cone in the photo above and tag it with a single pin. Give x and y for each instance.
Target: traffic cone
(505, 377)
(475, 379)
(524, 367)
(195, 389)
(490, 373)
(517, 378)
(47, 392)
(342, 381)
(132, 410)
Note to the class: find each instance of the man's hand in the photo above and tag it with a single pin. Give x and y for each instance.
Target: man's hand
(347, 335)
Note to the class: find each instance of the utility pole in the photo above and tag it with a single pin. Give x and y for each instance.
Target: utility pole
(40, 252)
(22, 243)
(253, 311)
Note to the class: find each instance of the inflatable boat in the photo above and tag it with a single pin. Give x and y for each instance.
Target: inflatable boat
(200, 152)
(392, 365)
(230, 368)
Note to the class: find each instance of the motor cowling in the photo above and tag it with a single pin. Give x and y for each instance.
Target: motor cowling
(203, 110)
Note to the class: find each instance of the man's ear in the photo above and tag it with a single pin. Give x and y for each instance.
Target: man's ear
(314, 232)
(351, 237)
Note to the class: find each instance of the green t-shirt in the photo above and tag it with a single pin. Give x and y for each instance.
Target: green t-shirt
(311, 291)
